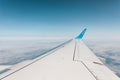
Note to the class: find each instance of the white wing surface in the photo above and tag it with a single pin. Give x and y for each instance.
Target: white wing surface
(70, 61)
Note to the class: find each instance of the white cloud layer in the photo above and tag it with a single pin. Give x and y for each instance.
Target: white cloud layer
(12, 52)
(109, 51)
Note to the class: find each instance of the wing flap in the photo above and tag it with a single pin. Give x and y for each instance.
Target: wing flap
(85, 56)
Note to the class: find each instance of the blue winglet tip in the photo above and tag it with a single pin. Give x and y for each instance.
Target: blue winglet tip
(80, 36)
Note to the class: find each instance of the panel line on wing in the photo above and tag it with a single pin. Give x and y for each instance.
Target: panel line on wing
(74, 54)
(89, 70)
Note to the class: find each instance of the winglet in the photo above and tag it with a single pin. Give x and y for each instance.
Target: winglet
(81, 34)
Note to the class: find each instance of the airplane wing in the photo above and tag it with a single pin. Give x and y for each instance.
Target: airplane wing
(72, 60)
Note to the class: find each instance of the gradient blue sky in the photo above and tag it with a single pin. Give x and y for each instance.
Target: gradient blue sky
(60, 18)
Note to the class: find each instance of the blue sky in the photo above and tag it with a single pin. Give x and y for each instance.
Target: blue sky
(60, 18)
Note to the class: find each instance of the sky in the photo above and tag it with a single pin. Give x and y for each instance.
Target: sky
(32, 19)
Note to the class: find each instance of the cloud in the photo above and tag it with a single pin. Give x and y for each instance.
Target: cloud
(109, 52)
(13, 52)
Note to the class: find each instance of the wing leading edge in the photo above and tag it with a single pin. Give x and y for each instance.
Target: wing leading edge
(71, 61)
